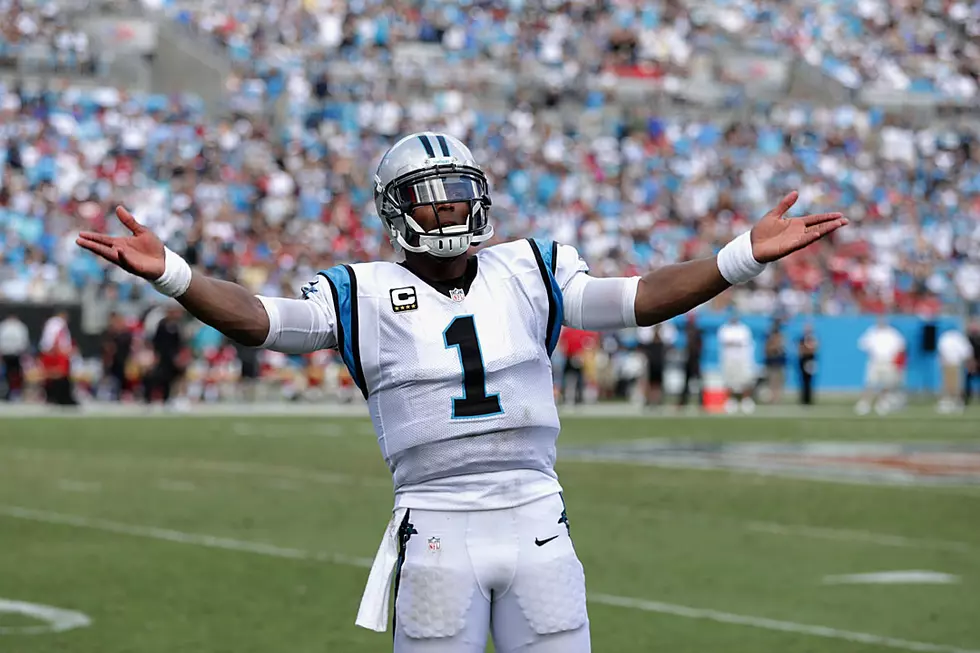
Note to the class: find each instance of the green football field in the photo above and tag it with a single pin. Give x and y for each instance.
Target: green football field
(249, 534)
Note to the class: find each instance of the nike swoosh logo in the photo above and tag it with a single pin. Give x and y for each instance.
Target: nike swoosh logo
(543, 542)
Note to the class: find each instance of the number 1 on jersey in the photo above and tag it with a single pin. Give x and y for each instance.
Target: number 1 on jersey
(461, 334)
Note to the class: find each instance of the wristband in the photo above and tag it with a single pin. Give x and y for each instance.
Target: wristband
(176, 277)
(736, 262)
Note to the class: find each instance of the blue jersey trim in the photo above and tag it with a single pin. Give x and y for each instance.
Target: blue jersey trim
(343, 286)
(546, 256)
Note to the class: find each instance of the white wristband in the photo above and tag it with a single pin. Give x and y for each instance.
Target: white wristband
(736, 263)
(176, 277)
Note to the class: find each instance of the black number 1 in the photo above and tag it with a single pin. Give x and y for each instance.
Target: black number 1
(461, 334)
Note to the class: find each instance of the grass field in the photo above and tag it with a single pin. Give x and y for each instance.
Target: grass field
(252, 534)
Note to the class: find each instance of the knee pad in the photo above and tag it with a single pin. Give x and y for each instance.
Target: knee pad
(433, 601)
(552, 595)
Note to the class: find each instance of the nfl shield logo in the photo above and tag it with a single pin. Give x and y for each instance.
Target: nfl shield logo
(457, 294)
(434, 544)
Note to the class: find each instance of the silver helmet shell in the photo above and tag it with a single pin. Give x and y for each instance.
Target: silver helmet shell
(427, 169)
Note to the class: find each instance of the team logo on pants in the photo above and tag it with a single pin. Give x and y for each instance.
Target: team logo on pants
(435, 544)
(404, 299)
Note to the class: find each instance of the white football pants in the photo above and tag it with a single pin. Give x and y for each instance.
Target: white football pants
(511, 572)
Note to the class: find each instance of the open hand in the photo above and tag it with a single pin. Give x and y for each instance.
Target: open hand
(774, 236)
(141, 254)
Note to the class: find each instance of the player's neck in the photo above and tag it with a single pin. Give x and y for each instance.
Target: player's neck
(435, 269)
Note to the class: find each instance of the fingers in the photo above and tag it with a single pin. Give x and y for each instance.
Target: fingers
(813, 220)
(129, 221)
(97, 237)
(785, 204)
(816, 232)
(107, 252)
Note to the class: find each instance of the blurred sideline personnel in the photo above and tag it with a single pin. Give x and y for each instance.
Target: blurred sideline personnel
(807, 355)
(973, 371)
(737, 354)
(575, 345)
(447, 345)
(14, 344)
(117, 346)
(56, 349)
(692, 362)
(955, 355)
(168, 347)
(775, 358)
(655, 342)
(885, 348)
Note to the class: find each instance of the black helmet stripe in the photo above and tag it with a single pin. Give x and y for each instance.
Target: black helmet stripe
(443, 144)
(427, 145)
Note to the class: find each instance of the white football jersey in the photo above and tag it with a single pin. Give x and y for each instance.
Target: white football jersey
(458, 377)
(736, 342)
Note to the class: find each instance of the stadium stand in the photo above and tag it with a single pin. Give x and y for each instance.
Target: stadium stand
(625, 129)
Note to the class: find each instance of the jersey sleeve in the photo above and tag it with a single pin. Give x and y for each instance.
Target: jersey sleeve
(300, 326)
(578, 300)
(568, 263)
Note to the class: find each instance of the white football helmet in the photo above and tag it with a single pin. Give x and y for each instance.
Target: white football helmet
(427, 169)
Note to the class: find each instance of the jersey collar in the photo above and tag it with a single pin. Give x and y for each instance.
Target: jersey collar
(446, 286)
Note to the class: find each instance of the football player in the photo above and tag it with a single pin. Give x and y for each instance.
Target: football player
(451, 349)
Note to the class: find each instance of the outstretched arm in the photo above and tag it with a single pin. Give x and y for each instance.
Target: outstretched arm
(671, 290)
(289, 325)
(675, 289)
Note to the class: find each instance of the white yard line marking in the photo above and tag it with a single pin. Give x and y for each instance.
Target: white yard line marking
(170, 485)
(846, 535)
(288, 478)
(179, 537)
(774, 624)
(57, 620)
(789, 530)
(69, 485)
(220, 466)
(261, 548)
(897, 577)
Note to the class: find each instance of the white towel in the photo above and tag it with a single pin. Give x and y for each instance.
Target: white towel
(373, 613)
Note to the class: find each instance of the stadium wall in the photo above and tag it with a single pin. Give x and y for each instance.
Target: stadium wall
(841, 365)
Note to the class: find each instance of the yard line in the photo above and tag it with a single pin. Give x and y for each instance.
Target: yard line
(775, 624)
(285, 477)
(847, 535)
(180, 537)
(261, 548)
(220, 466)
(791, 530)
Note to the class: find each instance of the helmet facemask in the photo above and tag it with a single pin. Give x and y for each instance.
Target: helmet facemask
(432, 187)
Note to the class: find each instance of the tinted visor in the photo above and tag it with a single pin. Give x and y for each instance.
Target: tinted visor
(434, 190)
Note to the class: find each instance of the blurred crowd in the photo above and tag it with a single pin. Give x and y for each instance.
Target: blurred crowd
(38, 35)
(269, 209)
(267, 199)
(923, 46)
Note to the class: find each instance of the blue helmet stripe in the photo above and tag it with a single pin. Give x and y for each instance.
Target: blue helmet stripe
(443, 144)
(427, 145)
